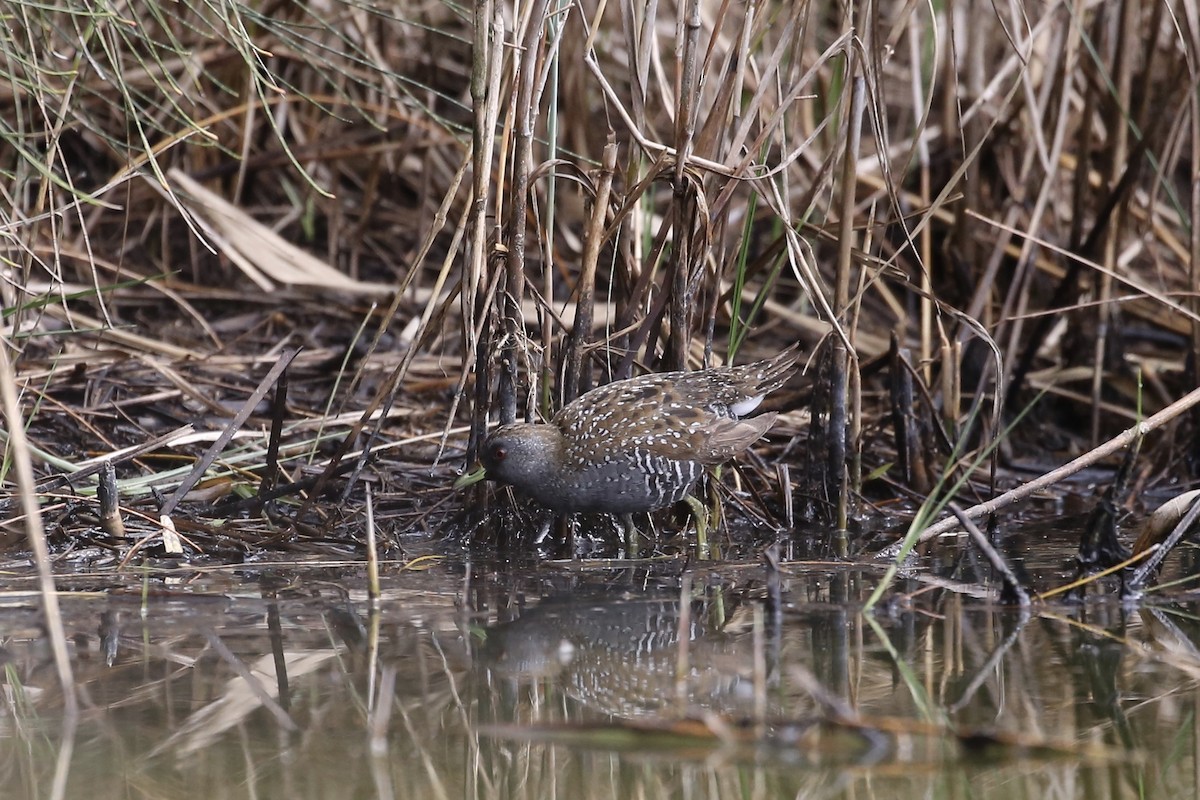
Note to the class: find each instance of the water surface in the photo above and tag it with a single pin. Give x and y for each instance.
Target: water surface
(655, 678)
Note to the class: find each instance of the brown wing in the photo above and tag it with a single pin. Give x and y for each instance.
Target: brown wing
(731, 436)
(632, 415)
(729, 387)
(676, 415)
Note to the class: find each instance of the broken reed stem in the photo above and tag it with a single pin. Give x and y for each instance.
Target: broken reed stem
(524, 113)
(1193, 300)
(372, 549)
(486, 63)
(575, 379)
(1125, 54)
(686, 202)
(545, 232)
(35, 531)
(210, 455)
(838, 423)
(109, 498)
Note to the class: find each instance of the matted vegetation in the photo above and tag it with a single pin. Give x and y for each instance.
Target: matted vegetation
(979, 221)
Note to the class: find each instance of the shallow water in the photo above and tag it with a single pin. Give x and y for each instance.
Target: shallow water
(596, 679)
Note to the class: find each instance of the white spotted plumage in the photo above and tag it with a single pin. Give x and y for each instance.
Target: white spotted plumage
(638, 444)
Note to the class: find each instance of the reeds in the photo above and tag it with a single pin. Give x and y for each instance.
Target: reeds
(567, 194)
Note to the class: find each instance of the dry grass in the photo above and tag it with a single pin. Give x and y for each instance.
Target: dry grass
(409, 193)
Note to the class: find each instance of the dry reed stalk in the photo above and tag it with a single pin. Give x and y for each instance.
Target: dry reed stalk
(36, 533)
(999, 145)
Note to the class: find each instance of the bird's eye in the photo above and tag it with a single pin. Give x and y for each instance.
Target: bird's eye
(498, 453)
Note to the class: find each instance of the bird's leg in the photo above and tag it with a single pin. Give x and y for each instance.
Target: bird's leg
(631, 542)
(700, 514)
(715, 509)
(544, 529)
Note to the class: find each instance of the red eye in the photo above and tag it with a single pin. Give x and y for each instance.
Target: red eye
(499, 453)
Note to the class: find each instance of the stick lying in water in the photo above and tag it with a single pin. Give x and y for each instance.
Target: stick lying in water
(1089, 458)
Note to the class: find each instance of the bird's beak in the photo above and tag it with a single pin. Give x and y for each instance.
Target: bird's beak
(471, 478)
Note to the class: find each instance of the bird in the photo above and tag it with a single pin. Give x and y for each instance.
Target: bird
(639, 444)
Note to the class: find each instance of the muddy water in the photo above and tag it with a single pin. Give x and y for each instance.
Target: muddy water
(579, 680)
